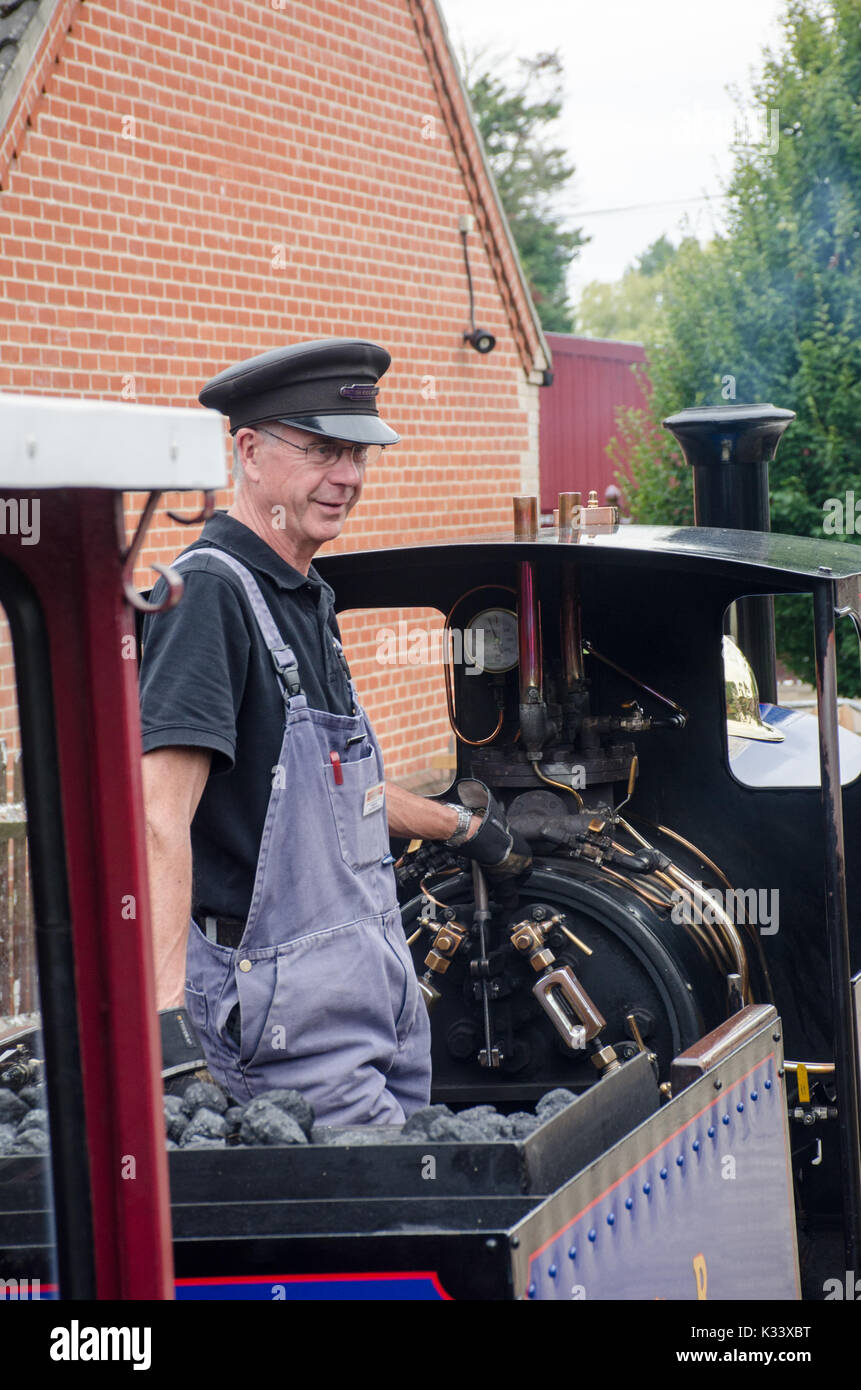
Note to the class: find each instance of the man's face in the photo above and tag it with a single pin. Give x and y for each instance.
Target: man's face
(309, 499)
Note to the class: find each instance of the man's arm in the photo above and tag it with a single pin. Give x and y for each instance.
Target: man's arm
(418, 818)
(173, 783)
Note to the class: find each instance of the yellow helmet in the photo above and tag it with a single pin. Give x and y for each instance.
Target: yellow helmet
(742, 697)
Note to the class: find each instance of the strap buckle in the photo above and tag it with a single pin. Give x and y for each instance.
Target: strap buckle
(287, 668)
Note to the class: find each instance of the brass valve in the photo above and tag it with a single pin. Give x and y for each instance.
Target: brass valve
(450, 936)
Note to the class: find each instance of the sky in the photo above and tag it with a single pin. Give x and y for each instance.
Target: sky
(647, 119)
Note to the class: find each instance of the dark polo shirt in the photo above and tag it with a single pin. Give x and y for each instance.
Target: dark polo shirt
(207, 681)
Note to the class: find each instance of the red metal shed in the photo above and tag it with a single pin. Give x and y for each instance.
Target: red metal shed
(592, 378)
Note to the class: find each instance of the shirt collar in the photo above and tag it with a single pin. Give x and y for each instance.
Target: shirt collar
(234, 536)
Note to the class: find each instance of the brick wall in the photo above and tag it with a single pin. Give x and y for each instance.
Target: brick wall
(196, 184)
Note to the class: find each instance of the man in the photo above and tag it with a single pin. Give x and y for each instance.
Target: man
(267, 815)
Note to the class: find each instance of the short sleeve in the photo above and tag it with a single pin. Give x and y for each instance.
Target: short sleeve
(194, 666)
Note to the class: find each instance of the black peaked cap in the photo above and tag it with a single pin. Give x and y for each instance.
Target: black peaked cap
(328, 386)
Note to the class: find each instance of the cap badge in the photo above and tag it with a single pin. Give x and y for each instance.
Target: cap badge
(359, 392)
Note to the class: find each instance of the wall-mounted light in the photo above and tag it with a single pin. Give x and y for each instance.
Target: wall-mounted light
(479, 338)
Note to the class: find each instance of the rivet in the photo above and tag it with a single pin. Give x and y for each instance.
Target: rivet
(768, 1085)
(245, 966)
(663, 1173)
(754, 1095)
(711, 1131)
(514, 1242)
(572, 1253)
(775, 1037)
(647, 1187)
(696, 1146)
(530, 1292)
(552, 1271)
(718, 1085)
(740, 1106)
(611, 1220)
(725, 1120)
(629, 1202)
(680, 1160)
(593, 1234)
(780, 1071)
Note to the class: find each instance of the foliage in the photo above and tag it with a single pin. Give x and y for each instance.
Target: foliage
(771, 310)
(530, 173)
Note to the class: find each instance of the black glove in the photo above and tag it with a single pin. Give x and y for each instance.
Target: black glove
(181, 1052)
(500, 850)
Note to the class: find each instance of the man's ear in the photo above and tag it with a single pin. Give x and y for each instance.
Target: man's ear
(247, 443)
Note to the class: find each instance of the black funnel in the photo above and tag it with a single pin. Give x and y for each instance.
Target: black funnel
(729, 448)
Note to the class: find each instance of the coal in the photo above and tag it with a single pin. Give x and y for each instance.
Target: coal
(11, 1107)
(291, 1103)
(30, 1141)
(175, 1118)
(7, 1138)
(204, 1124)
(34, 1096)
(233, 1116)
(419, 1123)
(264, 1123)
(523, 1124)
(357, 1136)
(553, 1102)
(204, 1094)
(33, 1119)
(199, 1142)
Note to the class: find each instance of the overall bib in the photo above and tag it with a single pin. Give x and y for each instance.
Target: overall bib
(323, 977)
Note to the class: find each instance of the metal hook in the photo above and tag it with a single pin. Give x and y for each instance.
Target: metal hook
(818, 1159)
(205, 515)
(174, 592)
(128, 556)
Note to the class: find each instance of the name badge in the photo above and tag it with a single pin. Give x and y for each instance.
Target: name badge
(374, 799)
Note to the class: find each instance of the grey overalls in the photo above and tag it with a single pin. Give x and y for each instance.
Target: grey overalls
(324, 979)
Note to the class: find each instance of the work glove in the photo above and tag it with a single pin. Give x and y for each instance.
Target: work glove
(501, 851)
(181, 1053)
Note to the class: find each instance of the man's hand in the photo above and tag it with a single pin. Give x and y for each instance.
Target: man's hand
(501, 851)
(173, 783)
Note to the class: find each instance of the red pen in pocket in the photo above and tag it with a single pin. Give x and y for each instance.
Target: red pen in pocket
(335, 760)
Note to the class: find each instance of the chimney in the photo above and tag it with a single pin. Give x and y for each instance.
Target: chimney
(729, 448)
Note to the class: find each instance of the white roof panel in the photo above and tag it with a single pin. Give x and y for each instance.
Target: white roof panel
(63, 441)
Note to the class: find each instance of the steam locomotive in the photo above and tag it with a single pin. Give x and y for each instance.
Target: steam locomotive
(669, 989)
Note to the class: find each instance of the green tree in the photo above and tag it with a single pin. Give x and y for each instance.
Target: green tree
(770, 310)
(631, 308)
(530, 172)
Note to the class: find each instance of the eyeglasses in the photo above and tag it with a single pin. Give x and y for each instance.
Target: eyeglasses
(326, 452)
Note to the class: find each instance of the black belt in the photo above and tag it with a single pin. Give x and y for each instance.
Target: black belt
(225, 931)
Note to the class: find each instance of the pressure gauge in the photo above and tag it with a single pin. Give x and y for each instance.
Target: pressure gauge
(492, 644)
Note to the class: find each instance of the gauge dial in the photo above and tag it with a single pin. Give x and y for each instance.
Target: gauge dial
(492, 645)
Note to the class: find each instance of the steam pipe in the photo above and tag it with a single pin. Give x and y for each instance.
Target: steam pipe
(535, 729)
(729, 448)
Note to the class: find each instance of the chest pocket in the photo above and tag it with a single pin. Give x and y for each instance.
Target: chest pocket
(359, 812)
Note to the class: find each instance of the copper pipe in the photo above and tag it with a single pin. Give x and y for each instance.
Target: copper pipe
(572, 636)
(528, 630)
(525, 518)
(449, 690)
(569, 515)
(563, 786)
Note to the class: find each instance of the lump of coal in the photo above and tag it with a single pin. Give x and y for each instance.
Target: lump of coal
(204, 1094)
(7, 1138)
(34, 1096)
(199, 1142)
(522, 1124)
(233, 1116)
(552, 1103)
(358, 1136)
(263, 1123)
(291, 1103)
(30, 1141)
(175, 1118)
(204, 1124)
(450, 1127)
(33, 1119)
(419, 1123)
(11, 1107)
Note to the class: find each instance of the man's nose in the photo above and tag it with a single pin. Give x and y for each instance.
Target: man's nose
(345, 470)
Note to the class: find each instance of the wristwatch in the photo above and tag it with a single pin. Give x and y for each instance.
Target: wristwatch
(464, 820)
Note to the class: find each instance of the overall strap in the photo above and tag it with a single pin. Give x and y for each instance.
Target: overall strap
(283, 659)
